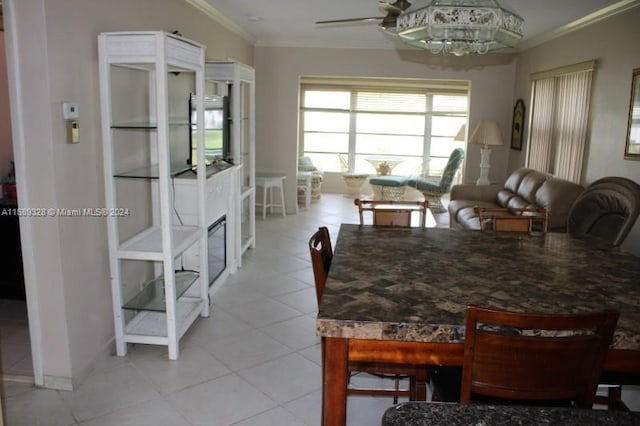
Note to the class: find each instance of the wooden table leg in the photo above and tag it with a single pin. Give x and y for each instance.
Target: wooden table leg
(334, 387)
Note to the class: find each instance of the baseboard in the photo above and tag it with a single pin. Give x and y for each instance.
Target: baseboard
(58, 383)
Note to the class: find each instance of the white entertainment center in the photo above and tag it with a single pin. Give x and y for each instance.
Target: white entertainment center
(178, 220)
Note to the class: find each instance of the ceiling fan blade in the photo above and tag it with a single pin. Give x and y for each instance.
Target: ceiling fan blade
(389, 8)
(392, 10)
(339, 21)
(395, 8)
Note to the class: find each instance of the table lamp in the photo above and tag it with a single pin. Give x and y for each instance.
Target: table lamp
(462, 134)
(486, 133)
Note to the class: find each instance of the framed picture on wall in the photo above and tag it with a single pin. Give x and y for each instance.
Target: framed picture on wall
(632, 147)
(518, 125)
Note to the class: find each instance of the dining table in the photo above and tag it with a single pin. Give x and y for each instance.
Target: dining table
(399, 295)
(449, 414)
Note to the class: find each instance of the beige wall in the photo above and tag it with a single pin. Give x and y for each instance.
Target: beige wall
(614, 44)
(66, 261)
(277, 75)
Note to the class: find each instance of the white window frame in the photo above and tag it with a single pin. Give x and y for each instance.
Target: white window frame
(429, 88)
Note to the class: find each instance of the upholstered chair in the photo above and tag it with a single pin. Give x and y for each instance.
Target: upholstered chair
(608, 209)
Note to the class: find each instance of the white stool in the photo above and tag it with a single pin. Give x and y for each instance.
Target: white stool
(304, 189)
(268, 181)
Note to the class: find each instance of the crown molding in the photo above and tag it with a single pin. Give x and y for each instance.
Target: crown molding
(205, 7)
(592, 18)
(323, 44)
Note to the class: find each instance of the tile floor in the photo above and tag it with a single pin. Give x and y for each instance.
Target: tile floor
(254, 361)
(15, 348)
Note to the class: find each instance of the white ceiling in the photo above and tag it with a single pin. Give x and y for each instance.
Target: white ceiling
(292, 22)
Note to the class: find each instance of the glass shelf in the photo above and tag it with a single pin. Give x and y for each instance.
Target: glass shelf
(136, 125)
(151, 297)
(151, 172)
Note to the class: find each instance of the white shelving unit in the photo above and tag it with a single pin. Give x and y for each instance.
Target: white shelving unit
(240, 85)
(145, 83)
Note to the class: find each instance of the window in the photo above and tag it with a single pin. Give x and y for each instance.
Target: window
(351, 125)
(559, 116)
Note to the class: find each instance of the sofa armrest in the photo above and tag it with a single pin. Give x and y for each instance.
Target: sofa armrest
(487, 193)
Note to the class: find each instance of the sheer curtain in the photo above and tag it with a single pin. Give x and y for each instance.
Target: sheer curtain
(574, 93)
(541, 133)
(559, 118)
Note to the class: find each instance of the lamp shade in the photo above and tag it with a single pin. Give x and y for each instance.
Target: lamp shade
(461, 133)
(486, 133)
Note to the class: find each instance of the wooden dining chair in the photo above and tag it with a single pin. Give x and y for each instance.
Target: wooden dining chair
(391, 212)
(321, 256)
(524, 220)
(547, 359)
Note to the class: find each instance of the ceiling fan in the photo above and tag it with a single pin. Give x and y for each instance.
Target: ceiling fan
(387, 22)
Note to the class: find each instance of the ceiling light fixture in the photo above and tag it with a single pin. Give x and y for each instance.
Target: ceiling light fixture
(460, 27)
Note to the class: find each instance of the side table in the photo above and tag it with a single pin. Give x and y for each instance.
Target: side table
(354, 182)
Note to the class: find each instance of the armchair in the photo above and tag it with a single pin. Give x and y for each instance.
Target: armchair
(608, 208)
(306, 165)
(433, 188)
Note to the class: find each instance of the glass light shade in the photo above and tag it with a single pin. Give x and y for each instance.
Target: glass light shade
(460, 27)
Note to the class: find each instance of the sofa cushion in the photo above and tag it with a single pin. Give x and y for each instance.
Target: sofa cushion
(504, 196)
(465, 213)
(557, 196)
(425, 184)
(530, 184)
(517, 202)
(513, 181)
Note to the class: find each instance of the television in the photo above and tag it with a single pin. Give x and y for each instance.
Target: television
(216, 130)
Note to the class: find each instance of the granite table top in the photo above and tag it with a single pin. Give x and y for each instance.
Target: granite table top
(414, 284)
(447, 414)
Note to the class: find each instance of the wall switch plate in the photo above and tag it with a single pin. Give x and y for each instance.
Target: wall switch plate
(73, 131)
(70, 111)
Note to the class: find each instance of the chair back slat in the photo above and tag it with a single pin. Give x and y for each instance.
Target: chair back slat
(505, 219)
(535, 357)
(321, 257)
(392, 212)
(453, 164)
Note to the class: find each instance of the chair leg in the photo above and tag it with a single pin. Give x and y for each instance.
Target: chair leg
(284, 213)
(435, 202)
(396, 380)
(613, 399)
(264, 202)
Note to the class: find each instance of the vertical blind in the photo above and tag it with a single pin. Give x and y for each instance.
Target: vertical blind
(560, 102)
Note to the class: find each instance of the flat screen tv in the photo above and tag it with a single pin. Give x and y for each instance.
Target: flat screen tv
(216, 129)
